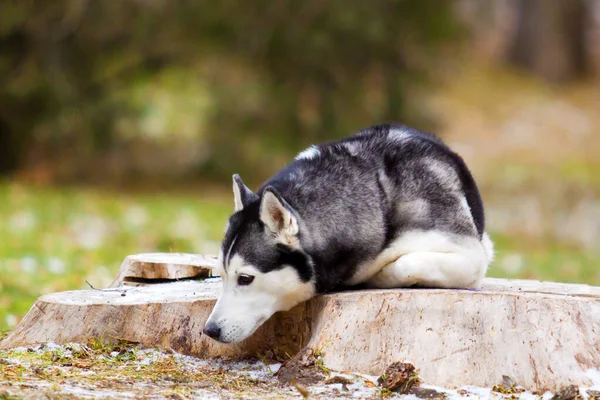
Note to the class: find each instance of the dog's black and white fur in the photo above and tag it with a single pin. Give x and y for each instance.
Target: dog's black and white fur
(388, 207)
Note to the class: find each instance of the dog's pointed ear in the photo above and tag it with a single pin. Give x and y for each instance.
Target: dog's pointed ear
(277, 214)
(242, 196)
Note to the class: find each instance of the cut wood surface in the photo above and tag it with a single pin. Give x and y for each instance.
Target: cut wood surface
(140, 269)
(543, 335)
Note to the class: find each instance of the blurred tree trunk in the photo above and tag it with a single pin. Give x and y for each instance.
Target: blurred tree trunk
(14, 142)
(549, 38)
(9, 153)
(13, 147)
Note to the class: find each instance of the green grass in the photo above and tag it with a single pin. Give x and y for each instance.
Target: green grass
(55, 239)
(519, 257)
(120, 367)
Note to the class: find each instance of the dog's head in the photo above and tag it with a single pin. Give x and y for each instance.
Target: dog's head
(263, 266)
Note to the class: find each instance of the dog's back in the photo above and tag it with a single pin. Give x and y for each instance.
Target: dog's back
(382, 194)
(388, 207)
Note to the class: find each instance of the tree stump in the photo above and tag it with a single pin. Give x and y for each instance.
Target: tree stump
(543, 335)
(140, 269)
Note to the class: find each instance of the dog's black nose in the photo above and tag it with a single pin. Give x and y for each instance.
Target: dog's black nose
(212, 331)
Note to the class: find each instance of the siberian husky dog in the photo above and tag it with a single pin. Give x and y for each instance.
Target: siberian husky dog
(389, 207)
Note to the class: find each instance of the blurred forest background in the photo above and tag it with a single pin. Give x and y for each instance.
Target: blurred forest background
(121, 122)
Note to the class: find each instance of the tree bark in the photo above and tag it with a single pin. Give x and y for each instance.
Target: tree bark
(549, 38)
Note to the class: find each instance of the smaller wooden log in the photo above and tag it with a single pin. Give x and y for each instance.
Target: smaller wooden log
(150, 268)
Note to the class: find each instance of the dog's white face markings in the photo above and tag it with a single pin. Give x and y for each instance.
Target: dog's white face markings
(309, 154)
(241, 309)
(249, 296)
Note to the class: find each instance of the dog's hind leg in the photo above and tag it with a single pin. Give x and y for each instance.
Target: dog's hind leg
(460, 269)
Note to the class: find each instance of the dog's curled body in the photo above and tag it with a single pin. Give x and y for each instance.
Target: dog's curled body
(388, 207)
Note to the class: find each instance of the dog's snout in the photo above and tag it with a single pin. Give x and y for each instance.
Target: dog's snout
(212, 330)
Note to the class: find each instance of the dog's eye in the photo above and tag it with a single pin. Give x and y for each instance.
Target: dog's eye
(244, 279)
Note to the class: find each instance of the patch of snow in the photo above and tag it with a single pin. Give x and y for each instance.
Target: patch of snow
(274, 367)
(361, 386)
(95, 393)
(594, 375)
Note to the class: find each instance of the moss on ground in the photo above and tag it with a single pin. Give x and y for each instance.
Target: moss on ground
(123, 369)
